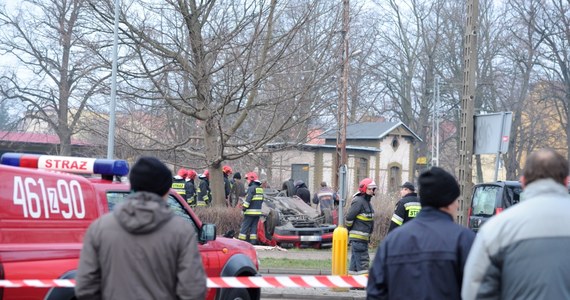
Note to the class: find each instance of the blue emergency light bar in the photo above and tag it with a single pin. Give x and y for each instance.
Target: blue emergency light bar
(81, 165)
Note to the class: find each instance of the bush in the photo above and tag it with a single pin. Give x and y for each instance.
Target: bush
(225, 218)
(383, 210)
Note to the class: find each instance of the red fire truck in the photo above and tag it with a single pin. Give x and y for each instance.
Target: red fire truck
(47, 203)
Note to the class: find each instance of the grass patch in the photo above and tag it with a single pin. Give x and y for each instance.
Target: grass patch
(286, 263)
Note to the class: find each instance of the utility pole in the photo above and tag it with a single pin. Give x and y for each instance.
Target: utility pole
(467, 110)
(341, 156)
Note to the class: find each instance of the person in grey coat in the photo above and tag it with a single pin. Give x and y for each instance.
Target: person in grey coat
(522, 253)
(141, 250)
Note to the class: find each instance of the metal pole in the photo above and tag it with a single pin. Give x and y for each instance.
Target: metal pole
(113, 104)
(498, 160)
(437, 121)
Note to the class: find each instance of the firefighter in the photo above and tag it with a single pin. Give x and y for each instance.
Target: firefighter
(190, 188)
(178, 182)
(251, 209)
(227, 170)
(203, 193)
(360, 223)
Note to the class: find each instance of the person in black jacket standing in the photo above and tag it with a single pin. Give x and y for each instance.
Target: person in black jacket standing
(425, 258)
(407, 208)
(302, 191)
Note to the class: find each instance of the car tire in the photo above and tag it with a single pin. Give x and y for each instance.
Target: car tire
(237, 294)
(271, 221)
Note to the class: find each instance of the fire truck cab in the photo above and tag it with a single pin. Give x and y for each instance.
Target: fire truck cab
(47, 203)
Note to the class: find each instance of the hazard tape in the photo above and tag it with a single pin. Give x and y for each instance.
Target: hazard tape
(358, 281)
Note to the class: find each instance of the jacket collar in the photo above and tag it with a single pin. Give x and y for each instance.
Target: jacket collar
(432, 213)
(543, 187)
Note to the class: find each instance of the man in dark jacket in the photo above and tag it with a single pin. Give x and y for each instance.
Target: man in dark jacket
(302, 191)
(360, 224)
(237, 190)
(425, 258)
(141, 250)
(407, 208)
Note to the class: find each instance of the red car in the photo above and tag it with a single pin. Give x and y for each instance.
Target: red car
(45, 211)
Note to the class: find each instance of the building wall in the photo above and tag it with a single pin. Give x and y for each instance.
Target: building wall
(389, 156)
(281, 166)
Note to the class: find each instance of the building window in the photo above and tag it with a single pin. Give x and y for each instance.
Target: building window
(395, 143)
(362, 168)
(395, 179)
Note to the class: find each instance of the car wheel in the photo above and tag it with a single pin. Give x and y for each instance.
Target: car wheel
(237, 294)
(271, 221)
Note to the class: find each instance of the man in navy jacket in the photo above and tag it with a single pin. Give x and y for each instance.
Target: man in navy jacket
(425, 258)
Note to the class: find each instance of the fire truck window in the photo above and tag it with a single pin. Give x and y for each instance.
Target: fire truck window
(114, 198)
(179, 210)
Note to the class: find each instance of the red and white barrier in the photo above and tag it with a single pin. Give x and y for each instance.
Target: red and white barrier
(228, 282)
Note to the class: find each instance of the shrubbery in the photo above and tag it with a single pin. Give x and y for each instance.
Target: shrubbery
(225, 218)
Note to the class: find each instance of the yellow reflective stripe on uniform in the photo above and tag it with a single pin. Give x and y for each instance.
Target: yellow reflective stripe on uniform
(242, 236)
(178, 185)
(349, 223)
(252, 212)
(257, 198)
(202, 203)
(252, 236)
(397, 219)
(364, 218)
(358, 236)
(413, 207)
(259, 191)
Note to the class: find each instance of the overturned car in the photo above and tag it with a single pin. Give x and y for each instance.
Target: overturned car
(289, 222)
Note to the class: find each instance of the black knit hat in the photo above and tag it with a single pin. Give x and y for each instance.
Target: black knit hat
(150, 175)
(408, 185)
(237, 175)
(438, 188)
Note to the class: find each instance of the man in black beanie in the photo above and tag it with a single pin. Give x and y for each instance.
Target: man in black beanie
(425, 258)
(141, 244)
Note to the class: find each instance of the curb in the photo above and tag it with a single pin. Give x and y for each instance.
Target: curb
(273, 271)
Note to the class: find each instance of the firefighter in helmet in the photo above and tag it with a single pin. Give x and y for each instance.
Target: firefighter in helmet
(190, 188)
(227, 170)
(203, 193)
(251, 209)
(178, 182)
(360, 223)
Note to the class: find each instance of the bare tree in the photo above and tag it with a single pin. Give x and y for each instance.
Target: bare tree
(57, 73)
(244, 71)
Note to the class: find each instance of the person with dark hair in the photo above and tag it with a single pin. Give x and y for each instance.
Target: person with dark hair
(302, 191)
(289, 187)
(522, 252)
(141, 250)
(407, 208)
(237, 190)
(424, 259)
